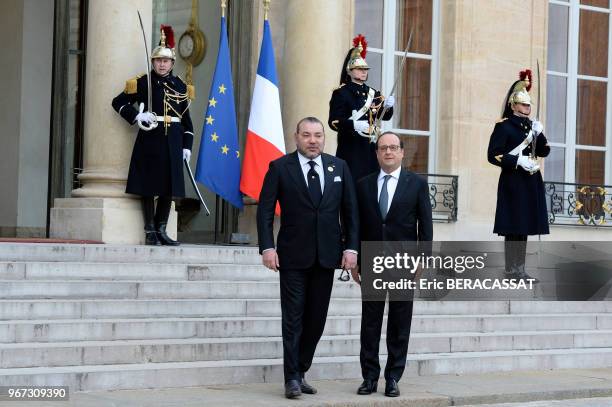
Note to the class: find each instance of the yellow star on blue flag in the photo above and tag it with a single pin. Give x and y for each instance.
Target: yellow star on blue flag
(217, 169)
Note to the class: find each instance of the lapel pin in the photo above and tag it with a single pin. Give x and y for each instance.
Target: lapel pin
(330, 168)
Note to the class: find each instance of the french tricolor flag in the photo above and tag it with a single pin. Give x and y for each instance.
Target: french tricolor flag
(264, 141)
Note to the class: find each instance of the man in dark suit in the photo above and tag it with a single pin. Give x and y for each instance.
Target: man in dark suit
(393, 206)
(315, 192)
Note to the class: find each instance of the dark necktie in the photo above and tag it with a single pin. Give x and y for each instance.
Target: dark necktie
(314, 185)
(383, 200)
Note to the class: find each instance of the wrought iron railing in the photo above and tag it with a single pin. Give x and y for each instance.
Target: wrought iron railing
(578, 204)
(443, 191)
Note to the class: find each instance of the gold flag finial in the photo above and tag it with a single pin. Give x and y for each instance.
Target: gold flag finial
(223, 7)
(266, 8)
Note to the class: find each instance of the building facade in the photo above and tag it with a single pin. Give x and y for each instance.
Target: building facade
(66, 153)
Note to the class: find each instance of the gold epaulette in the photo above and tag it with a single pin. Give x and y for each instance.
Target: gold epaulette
(501, 120)
(341, 85)
(499, 157)
(131, 85)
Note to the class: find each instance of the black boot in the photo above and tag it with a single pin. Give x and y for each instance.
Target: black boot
(163, 236)
(148, 210)
(151, 238)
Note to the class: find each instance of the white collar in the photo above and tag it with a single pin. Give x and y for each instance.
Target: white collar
(395, 174)
(304, 160)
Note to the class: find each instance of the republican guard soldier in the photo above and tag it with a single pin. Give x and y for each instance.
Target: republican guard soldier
(164, 140)
(354, 110)
(516, 143)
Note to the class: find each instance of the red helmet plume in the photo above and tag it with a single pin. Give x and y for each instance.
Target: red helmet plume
(526, 74)
(169, 33)
(364, 44)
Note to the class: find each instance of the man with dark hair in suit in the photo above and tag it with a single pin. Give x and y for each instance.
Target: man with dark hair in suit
(315, 192)
(393, 206)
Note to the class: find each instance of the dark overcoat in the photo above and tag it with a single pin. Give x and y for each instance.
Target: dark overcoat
(156, 166)
(521, 201)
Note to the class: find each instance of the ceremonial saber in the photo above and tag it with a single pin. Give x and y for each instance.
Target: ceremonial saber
(149, 97)
(533, 142)
(399, 75)
(195, 186)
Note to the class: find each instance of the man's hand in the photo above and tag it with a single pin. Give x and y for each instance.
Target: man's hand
(349, 261)
(361, 126)
(525, 162)
(270, 259)
(145, 117)
(186, 154)
(355, 274)
(537, 127)
(389, 101)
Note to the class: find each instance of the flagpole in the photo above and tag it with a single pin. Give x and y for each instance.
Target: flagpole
(266, 8)
(223, 7)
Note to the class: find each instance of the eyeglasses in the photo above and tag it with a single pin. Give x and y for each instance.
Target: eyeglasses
(393, 148)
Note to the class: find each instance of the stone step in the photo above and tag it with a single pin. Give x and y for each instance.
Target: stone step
(20, 331)
(100, 289)
(188, 374)
(66, 270)
(15, 355)
(349, 305)
(157, 308)
(184, 254)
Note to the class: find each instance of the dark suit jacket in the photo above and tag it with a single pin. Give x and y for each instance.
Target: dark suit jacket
(409, 216)
(308, 233)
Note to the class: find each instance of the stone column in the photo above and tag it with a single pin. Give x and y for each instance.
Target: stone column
(318, 35)
(100, 209)
(310, 39)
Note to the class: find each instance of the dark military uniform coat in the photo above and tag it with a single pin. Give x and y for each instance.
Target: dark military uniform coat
(156, 167)
(521, 203)
(358, 152)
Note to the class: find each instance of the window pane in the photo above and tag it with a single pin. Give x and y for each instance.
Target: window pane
(414, 15)
(416, 153)
(591, 113)
(558, 17)
(412, 94)
(593, 50)
(374, 60)
(554, 165)
(369, 21)
(556, 99)
(596, 3)
(590, 167)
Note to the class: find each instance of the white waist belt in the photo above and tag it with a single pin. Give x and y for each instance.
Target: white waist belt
(168, 119)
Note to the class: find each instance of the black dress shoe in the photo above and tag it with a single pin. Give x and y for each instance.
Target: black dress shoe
(292, 389)
(391, 388)
(368, 387)
(307, 388)
(163, 236)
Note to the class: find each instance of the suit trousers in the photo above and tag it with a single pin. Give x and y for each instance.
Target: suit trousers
(305, 298)
(399, 319)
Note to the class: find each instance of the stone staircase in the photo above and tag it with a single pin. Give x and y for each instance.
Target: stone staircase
(102, 317)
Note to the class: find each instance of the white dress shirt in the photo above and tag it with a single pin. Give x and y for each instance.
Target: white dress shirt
(391, 184)
(318, 168)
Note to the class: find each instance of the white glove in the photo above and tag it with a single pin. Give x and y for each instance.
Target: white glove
(537, 127)
(145, 117)
(186, 154)
(525, 162)
(390, 101)
(361, 126)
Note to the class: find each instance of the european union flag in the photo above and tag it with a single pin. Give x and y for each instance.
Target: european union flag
(219, 158)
